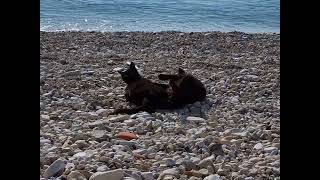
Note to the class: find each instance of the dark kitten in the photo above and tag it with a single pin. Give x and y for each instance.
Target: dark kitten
(186, 89)
(146, 95)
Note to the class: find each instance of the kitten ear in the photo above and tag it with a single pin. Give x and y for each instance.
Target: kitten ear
(181, 71)
(132, 65)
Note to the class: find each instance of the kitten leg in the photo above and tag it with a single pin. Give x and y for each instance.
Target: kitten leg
(144, 107)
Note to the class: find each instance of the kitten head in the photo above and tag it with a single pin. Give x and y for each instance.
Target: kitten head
(130, 75)
(181, 72)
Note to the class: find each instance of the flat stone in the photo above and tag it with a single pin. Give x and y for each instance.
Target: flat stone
(194, 178)
(45, 117)
(44, 141)
(100, 111)
(100, 134)
(204, 172)
(195, 119)
(195, 160)
(80, 155)
(168, 177)
(98, 123)
(188, 164)
(120, 118)
(147, 176)
(212, 177)
(72, 73)
(116, 174)
(269, 149)
(241, 134)
(169, 172)
(248, 178)
(139, 151)
(76, 175)
(88, 72)
(127, 143)
(128, 178)
(130, 122)
(117, 69)
(56, 167)
(169, 162)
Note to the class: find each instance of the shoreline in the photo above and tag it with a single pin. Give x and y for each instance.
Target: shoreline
(173, 31)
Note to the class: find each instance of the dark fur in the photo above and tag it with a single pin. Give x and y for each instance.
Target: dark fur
(186, 89)
(146, 95)
(149, 96)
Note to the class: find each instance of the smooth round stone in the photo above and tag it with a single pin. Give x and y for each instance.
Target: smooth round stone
(212, 177)
(130, 122)
(102, 168)
(258, 146)
(44, 141)
(80, 155)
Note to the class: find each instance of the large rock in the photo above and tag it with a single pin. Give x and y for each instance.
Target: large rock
(56, 167)
(116, 174)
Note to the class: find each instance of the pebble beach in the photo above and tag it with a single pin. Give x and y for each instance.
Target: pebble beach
(233, 134)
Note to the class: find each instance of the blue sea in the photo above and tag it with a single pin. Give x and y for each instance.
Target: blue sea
(251, 16)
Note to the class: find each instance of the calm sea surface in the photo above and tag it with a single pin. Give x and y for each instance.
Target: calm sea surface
(160, 15)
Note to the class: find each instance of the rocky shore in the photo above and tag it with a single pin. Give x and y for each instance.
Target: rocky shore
(233, 134)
